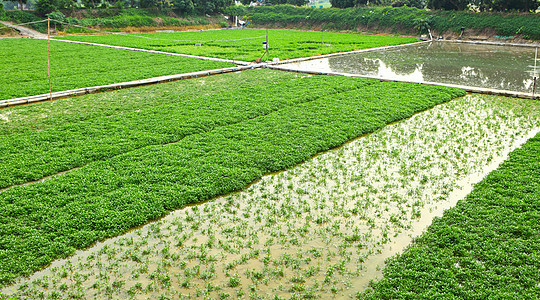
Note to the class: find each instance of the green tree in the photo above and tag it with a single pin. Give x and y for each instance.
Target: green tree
(348, 3)
(509, 5)
(44, 7)
(21, 3)
(235, 10)
(410, 3)
(211, 6)
(448, 4)
(148, 3)
(298, 2)
(89, 3)
(184, 6)
(66, 4)
(342, 3)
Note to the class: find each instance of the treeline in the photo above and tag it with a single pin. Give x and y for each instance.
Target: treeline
(474, 5)
(398, 19)
(278, 2)
(183, 7)
(103, 18)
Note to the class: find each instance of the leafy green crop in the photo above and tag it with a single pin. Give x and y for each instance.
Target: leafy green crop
(246, 44)
(35, 154)
(50, 219)
(24, 66)
(487, 247)
(51, 114)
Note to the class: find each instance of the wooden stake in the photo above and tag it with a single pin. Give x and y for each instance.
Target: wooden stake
(534, 72)
(48, 54)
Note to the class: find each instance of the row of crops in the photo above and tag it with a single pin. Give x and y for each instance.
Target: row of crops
(49, 219)
(485, 247)
(51, 114)
(35, 154)
(246, 44)
(24, 66)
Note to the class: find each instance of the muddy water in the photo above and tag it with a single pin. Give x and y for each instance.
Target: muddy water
(321, 229)
(485, 66)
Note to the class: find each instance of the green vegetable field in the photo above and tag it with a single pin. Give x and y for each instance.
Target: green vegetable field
(51, 114)
(315, 182)
(131, 181)
(35, 154)
(246, 44)
(24, 66)
(487, 247)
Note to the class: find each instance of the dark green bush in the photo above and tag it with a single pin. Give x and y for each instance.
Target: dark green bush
(18, 16)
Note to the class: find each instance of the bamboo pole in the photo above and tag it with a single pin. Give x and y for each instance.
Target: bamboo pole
(534, 72)
(48, 55)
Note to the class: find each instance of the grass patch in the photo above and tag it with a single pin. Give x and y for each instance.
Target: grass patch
(485, 247)
(24, 65)
(50, 219)
(246, 44)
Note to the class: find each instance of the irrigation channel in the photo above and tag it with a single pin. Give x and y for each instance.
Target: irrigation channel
(478, 67)
(321, 229)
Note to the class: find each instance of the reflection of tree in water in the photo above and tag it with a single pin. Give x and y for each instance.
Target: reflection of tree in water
(464, 64)
(354, 64)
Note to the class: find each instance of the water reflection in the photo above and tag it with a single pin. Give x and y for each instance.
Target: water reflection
(486, 66)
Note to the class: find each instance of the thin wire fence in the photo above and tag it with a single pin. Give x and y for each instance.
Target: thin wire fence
(21, 24)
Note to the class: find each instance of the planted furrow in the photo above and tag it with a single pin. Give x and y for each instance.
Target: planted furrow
(245, 44)
(24, 66)
(36, 154)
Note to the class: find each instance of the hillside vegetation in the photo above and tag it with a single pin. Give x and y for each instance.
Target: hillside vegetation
(398, 20)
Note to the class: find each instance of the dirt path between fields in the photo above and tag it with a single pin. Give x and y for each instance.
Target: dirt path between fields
(24, 31)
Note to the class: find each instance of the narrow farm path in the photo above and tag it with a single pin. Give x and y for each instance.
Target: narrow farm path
(25, 31)
(119, 86)
(321, 228)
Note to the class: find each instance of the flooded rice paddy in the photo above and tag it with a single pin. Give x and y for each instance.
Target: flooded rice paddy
(475, 65)
(319, 230)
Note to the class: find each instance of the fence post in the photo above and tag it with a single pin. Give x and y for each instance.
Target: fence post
(48, 54)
